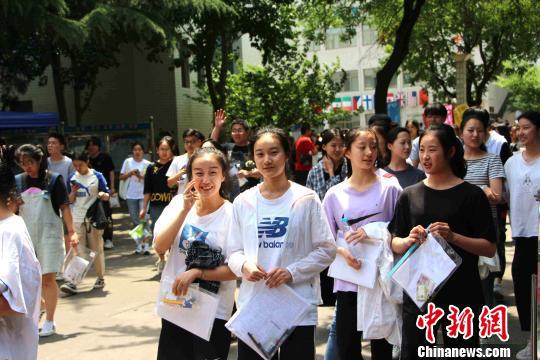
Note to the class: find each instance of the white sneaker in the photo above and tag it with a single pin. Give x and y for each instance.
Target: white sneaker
(146, 249)
(139, 249)
(48, 329)
(108, 244)
(525, 353)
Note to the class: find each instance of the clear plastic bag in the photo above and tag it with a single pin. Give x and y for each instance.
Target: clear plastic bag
(188, 301)
(77, 263)
(114, 201)
(424, 269)
(141, 232)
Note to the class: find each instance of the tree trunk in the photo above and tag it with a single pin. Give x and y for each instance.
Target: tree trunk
(411, 11)
(56, 66)
(78, 107)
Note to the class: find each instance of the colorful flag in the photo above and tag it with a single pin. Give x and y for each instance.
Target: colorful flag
(356, 102)
(400, 98)
(394, 111)
(389, 97)
(336, 104)
(412, 98)
(346, 103)
(367, 102)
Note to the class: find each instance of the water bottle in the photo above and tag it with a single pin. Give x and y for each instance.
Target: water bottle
(346, 229)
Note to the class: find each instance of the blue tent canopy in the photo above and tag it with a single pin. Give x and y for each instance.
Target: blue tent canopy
(13, 120)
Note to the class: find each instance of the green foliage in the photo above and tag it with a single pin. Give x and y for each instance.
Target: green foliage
(493, 31)
(284, 93)
(524, 87)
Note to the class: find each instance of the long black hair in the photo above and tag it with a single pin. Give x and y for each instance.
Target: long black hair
(475, 114)
(448, 140)
(222, 160)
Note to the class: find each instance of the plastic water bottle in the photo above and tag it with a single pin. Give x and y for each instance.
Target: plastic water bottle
(346, 229)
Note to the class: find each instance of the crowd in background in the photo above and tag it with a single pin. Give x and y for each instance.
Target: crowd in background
(275, 206)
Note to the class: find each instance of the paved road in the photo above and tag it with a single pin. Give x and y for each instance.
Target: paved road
(118, 322)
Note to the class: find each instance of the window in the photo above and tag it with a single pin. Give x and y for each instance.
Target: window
(351, 81)
(369, 35)
(334, 40)
(184, 73)
(369, 79)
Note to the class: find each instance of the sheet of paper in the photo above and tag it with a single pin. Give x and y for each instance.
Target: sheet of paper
(367, 252)
(75, 269)
(262, 324)
(198, 320)
(428, 264)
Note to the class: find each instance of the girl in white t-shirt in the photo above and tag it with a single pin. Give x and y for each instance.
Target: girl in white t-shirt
(133, 170)
(199, 217)
(20, 278)
(294, 242)
(523, 187)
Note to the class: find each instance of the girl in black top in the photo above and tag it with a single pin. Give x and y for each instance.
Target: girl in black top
(157, 194)
(456, 211)
(398, 142)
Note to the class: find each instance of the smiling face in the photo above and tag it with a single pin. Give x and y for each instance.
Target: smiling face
(401, 147)
(473, 134)
(270, 157)
(363, 152)
(432, 156)
(209, 175)
(334, 149)
(527, 132)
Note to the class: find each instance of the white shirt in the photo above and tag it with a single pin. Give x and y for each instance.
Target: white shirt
(178, 163)
(20, 271)
(495, 143)
(135, 187)
(522, 183)
(63, 167)
(212, 229)
(272, 225)
(93, 183)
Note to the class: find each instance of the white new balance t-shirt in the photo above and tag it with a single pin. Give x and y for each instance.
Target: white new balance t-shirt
(272, 224)
(212, 229)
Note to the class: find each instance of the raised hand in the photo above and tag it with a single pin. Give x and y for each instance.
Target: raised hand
(219, 118)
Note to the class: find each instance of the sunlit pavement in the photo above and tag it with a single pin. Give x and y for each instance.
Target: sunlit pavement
(118, 322)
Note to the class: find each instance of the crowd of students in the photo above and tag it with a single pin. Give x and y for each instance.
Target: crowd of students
(272, 225)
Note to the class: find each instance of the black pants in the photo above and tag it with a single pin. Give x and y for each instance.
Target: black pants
(108, 231)
(523, 267)
(501, 240)
(176, 343)
(327, 289)
(300, 345)
(413, 337)
(349, 340)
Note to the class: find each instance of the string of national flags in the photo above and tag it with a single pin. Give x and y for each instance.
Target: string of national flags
(366, 102)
